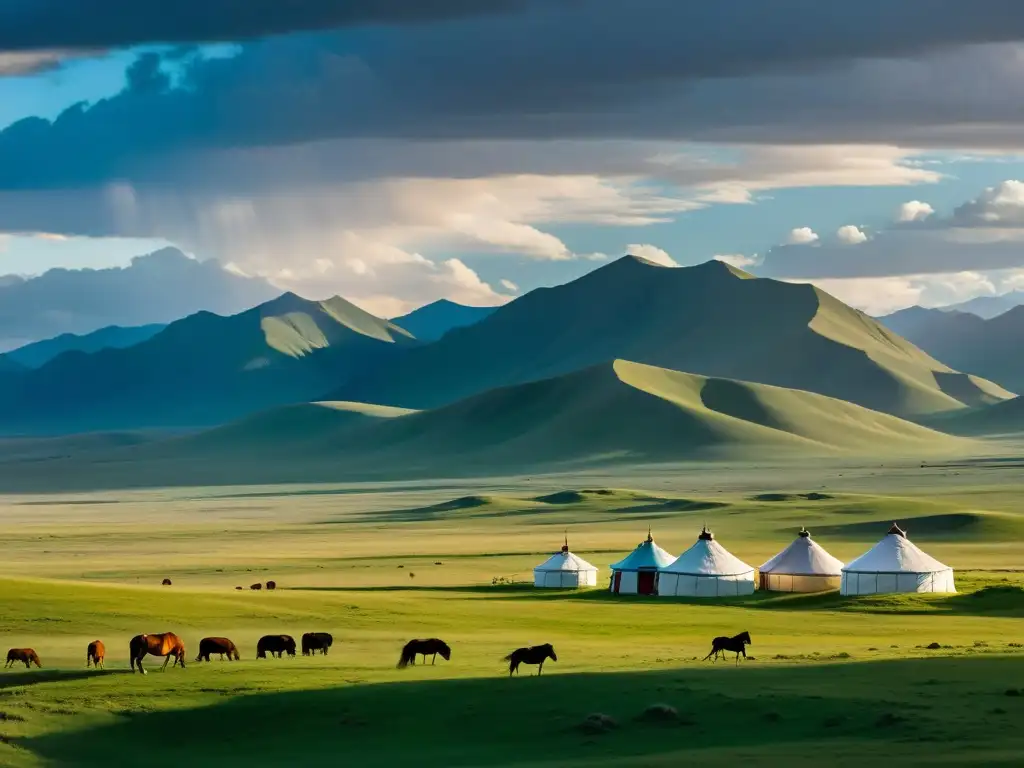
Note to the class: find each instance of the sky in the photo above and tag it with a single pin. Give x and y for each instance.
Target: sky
(403, 151)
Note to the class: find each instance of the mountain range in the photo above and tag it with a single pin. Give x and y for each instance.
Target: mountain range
(712, 319)
(431, 322)
(615, 412)
(988, 307)
(156, 288)
(39, 353)
(987, 347)
(201, 370)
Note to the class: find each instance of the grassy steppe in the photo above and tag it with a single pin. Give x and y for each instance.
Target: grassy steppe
(833, 679)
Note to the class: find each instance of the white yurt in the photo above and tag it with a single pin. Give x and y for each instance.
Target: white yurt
(565, 570)
(895, 564)
(707, 569)
(637, 573)
(803, 566)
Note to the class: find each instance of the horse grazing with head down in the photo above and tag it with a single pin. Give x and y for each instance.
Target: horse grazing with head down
(723, 645)
(219, 645)
(430, 647)
(316, 641)
(25, 655)
(167, 644)
(95, 654)
(275, 644)
(535, 654)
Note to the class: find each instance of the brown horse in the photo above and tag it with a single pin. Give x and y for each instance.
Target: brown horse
(256, 586)
(723, 645)
(535, 654)
(279, 644)
(168, 645)
(95, 654)
(221, 645)
(165, 583)
(25, 655)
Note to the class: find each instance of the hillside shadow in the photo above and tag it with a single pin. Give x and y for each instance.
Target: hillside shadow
(499, 721)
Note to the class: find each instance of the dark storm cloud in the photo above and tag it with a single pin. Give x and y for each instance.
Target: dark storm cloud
(43, 24)
(729, 70)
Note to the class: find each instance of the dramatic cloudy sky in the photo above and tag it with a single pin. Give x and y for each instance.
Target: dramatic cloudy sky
(397, 151)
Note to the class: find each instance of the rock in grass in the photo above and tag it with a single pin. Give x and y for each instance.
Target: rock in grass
(659, 713)
(597, 722)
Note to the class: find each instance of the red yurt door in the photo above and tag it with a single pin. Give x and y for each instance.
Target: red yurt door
(645, 582)
(617, 582)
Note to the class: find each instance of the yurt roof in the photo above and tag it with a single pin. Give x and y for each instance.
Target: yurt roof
(565, 561)
(895, 553)
(647, 555)
(708, 558)
(804, 557)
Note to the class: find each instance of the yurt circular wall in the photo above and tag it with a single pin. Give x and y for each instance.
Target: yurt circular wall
(692, 585)
(866, 583)
(564, 579)
(787, 582)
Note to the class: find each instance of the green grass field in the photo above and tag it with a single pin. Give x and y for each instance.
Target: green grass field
(832, 679)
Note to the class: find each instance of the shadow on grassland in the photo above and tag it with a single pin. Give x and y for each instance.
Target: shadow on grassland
(500, 721)
(979, 597)
(39, 676)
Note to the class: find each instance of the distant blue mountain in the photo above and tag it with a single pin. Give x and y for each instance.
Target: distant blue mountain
(431, 322)
(39, 353)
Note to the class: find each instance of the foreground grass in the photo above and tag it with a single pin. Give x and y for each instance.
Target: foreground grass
(836, 679)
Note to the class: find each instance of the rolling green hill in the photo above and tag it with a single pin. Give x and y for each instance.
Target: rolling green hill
(202, 370)
(615, 413)
(1005, 418)
(711, 319)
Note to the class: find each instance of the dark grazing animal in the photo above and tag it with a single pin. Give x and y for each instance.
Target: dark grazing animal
(165, 583)
(723, 645)
(271, 585)
(275, 644)
(95, 654)
(256, 586)
(25, 655)
(316, 641)
(221, 645)
(535, 654)
(166, 644)
(430, 647)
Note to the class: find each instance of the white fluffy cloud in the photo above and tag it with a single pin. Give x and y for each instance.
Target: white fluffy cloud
(882, 295)
(996, 207)
(801, 236)
(652, 253)
(851, 234)
(739, 260)
(914, 210)
(509, 286)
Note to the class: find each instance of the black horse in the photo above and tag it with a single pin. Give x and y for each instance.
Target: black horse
(316, 641)
(535, 654)
(736, 644)
(430, 647)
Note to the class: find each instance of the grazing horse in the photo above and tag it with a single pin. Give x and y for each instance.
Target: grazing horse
(167, 644)
(165, 583)
(256, 586)
(535, 654)
(271, 585)
(722, 645)
(316, 641)
(221, 645)
(430, 647)
(95, 654)
(25, 655)
(278, 644)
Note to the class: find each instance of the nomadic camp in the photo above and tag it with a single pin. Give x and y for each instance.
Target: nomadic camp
(707, 569)
(637, 573)
(565, 570)
(803, 566)
(895, 564)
